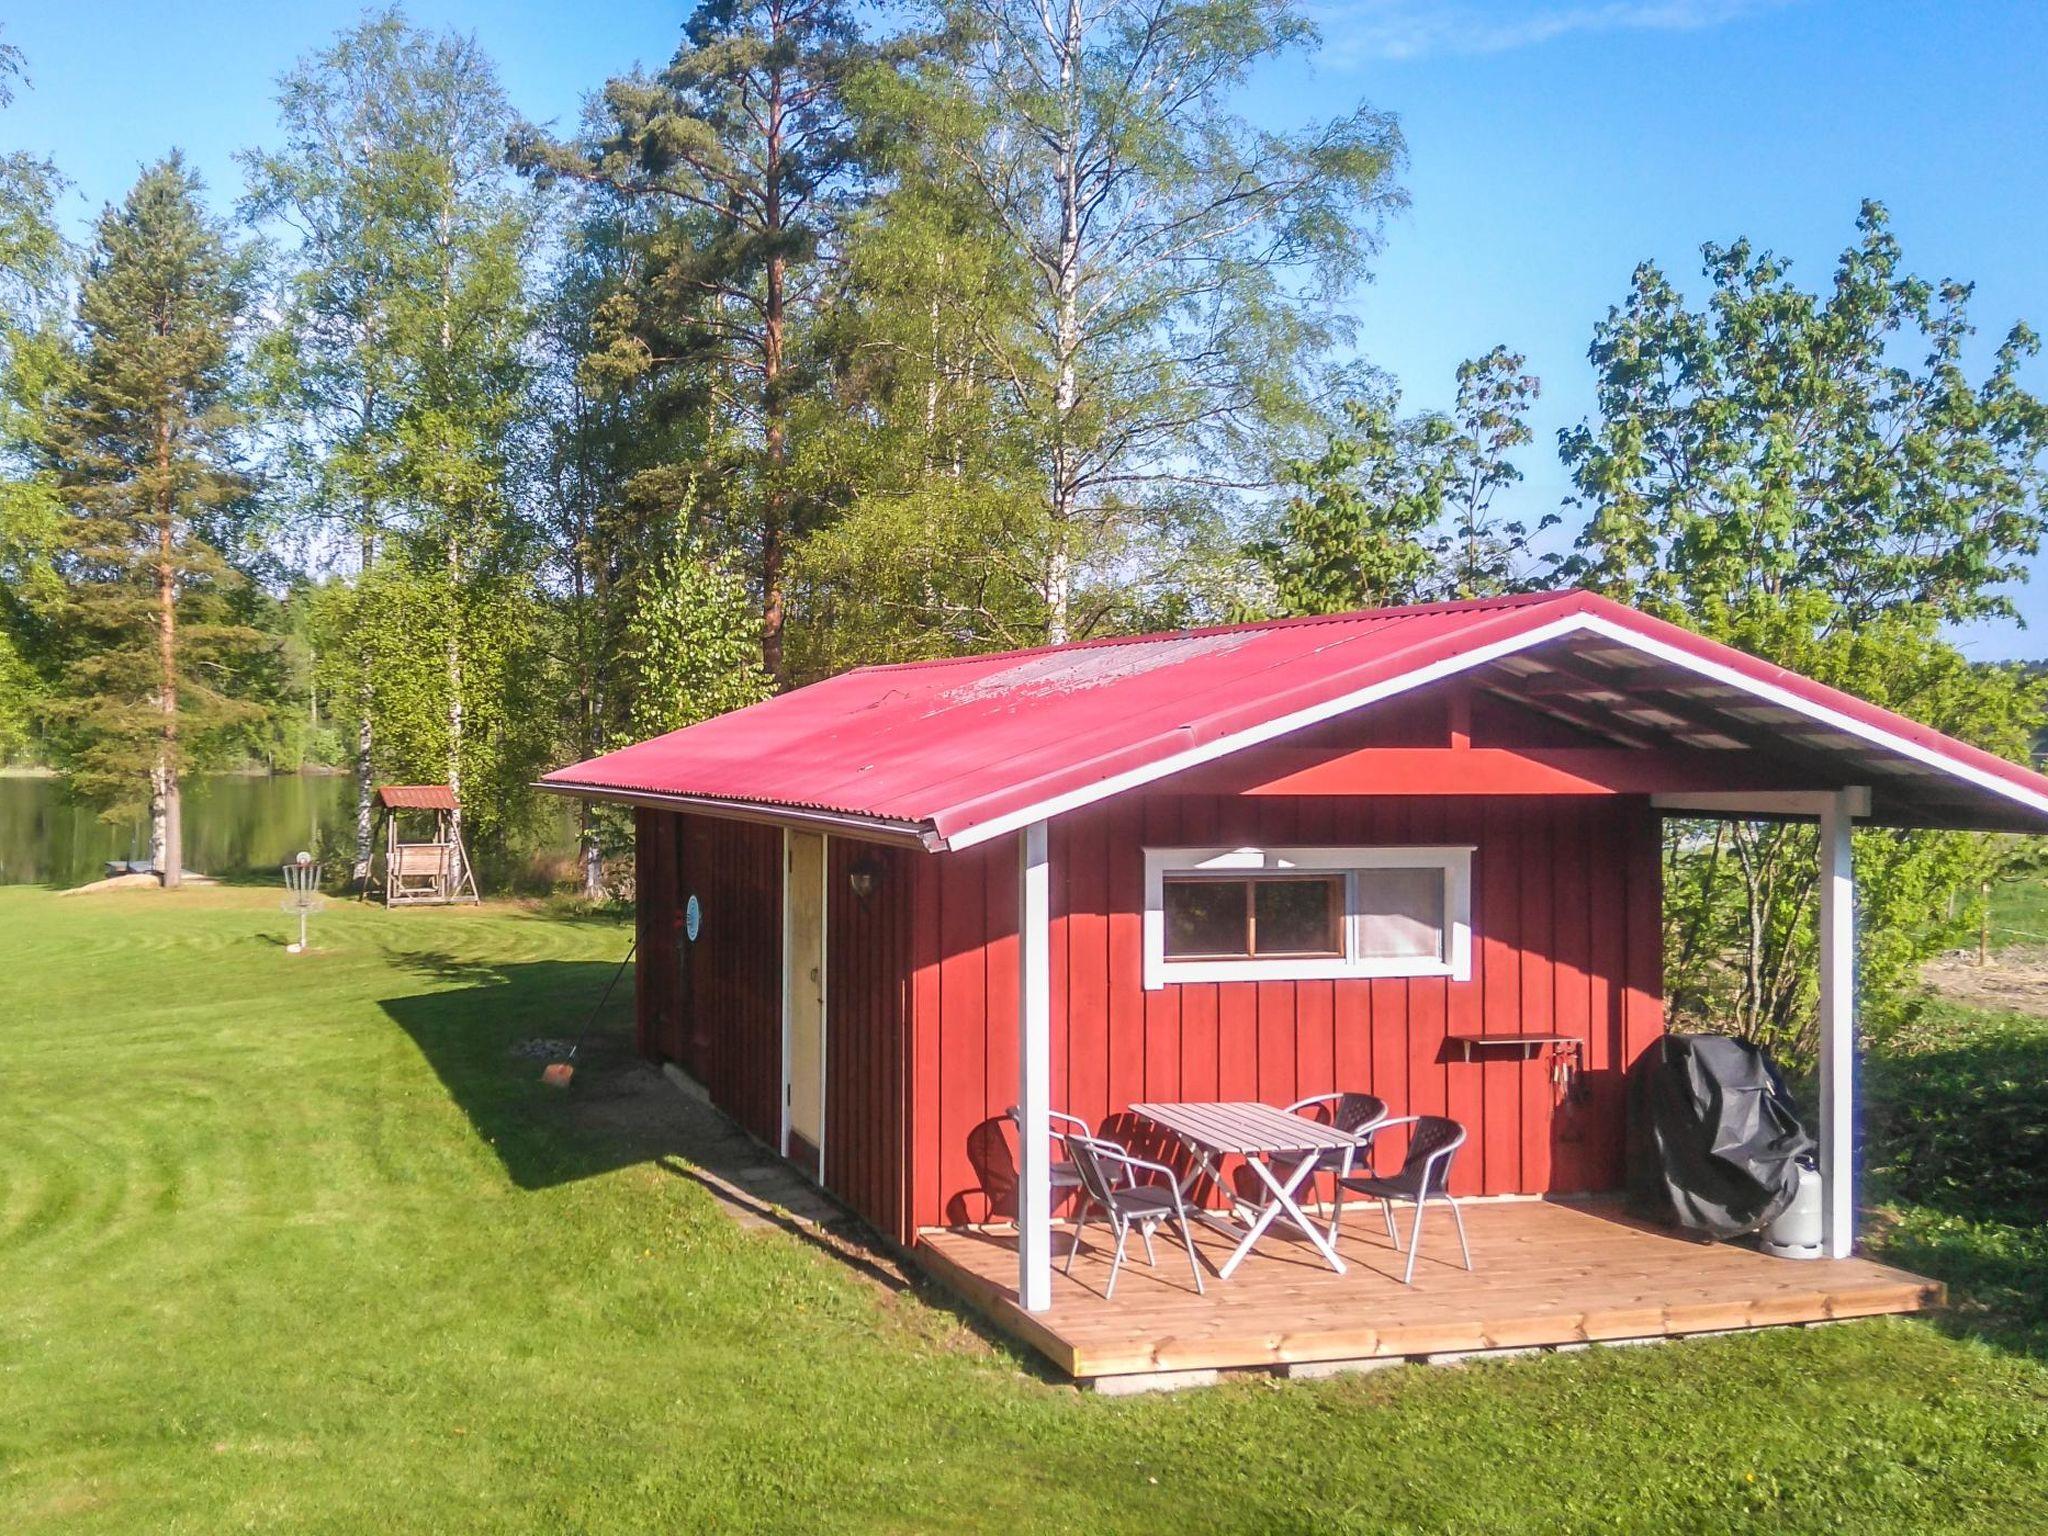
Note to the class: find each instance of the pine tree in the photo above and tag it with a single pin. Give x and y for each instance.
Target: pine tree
(745, 144)
(144, 449)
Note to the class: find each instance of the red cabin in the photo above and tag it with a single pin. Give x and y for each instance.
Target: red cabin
(1413, 852)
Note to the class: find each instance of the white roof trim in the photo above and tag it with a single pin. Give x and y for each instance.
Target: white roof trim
(1576, 623)
(1877, 735)
(1251, 736)
(873, 829)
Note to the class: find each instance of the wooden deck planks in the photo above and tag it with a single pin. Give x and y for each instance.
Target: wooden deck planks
(1548, 1274)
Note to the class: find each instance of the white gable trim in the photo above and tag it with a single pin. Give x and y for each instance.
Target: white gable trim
(1876, 735)
(1252, 736)
(1577, 623)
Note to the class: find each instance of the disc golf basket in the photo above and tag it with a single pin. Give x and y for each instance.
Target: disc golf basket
(424, 862)
(302, 895)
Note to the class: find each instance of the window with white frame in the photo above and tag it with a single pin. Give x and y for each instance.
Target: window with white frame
(1272, 914)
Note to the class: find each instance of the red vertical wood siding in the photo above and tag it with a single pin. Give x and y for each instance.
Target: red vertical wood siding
(725, 1025)
(867, 1006)
(921, 991)
(657, 917)
(1566, 918)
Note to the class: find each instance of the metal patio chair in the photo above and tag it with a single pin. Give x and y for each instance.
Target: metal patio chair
(1360, 1114)
(1425, 1175)
(1063, 1175)
(1130, 1204)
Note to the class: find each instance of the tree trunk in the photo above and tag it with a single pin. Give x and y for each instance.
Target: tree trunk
(775, 508)
(455, 698)
(366, 794)
(592, 851)
(454, 611)
(1064, 497)
(366, 737)
(174, 829)
(167, 831)
(159, 807)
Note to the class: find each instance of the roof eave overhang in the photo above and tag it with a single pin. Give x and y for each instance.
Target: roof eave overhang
(961, 827)
(871, 829)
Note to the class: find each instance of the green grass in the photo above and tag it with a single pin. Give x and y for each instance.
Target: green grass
(1957, 1127)
(2019, 912)
(297, 1244)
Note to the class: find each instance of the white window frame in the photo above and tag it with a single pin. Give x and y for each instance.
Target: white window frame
(1455, 860)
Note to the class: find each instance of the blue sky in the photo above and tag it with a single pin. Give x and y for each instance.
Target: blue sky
(1553, 144)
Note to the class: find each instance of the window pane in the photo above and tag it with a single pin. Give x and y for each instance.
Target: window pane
(1401, 914)
(1205, 917)
(1296, 917)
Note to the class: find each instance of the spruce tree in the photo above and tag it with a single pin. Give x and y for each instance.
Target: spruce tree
(144, 451)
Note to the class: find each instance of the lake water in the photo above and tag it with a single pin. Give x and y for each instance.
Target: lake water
(235, 824)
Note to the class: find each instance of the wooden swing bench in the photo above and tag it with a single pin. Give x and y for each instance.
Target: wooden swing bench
(431, 872)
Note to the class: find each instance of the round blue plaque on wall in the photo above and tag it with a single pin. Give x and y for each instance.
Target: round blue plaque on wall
(693, 918)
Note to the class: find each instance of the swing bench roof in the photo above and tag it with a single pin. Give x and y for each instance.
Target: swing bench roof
(416, 797)
(949, 753)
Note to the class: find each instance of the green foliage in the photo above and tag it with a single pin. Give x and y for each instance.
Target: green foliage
(1769, 471)
(34, 264)
(1779, 443)
(1958, 1115)
(690, 647)
(743, 147)
(402, 366)
(399, 621)
(1176, 274)
(145, 449)
(918, 447)
(1918, 891)
(1353, 535)
(1400, 510)
(1955, 1140)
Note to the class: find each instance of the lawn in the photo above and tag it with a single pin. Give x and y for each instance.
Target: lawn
(299, 1243)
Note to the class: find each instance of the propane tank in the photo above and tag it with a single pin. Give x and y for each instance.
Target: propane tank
(1796, 1233)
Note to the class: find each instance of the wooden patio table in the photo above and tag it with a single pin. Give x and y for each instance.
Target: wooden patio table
(1256, 1133)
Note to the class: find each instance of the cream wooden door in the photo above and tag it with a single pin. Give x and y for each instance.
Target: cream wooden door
(803, 991)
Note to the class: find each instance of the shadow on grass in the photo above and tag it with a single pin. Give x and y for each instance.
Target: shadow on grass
(618, 1113)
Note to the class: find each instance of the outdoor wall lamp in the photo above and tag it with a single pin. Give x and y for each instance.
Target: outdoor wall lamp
(864, 873)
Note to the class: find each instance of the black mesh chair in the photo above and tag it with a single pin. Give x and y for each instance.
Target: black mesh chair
(1425, 1175)
(1110, 1184)
(1359, 1114)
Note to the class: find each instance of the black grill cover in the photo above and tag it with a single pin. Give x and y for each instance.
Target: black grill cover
(1714, 1142)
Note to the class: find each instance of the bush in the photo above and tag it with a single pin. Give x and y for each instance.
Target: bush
(1956, 1114)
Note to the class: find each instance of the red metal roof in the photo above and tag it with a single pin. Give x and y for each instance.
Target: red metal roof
(956, 751)
(416, 797)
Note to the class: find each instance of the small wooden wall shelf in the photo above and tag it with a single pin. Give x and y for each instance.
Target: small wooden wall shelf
(1468, 1047)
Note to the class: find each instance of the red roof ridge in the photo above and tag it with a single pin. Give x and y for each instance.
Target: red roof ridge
(1503, 602)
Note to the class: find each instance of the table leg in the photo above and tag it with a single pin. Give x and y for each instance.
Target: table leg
(1282, 1202)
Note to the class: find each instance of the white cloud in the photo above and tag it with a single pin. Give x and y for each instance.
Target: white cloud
(1355, 30)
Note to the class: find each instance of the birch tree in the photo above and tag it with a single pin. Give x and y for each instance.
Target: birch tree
(1186, 267)
(405, 314)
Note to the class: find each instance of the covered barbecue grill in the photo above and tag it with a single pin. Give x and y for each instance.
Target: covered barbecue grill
(1715, 1143)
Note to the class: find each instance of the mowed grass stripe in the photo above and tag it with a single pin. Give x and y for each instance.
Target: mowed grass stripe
(298, 1243)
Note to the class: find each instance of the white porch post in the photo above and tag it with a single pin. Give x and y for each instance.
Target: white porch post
(1838, 1023)
(1034, 1070)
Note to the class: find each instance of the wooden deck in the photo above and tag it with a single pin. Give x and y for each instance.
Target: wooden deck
(1546, 1275)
